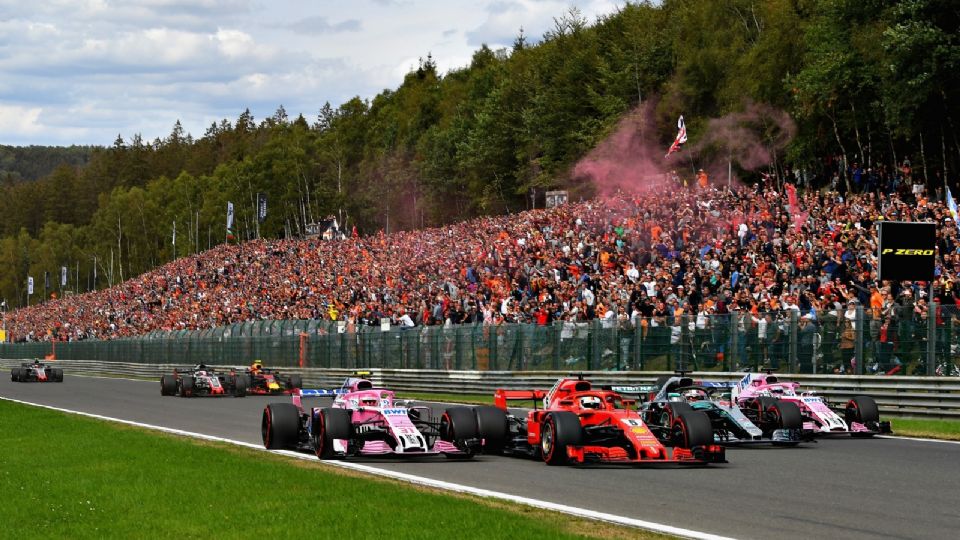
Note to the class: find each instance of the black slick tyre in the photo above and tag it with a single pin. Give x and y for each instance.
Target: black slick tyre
(168, 385)
(329, 425)
(493, 427)
(15, 374)
(862, 409)
(280, 425)
(786, 415)
(559, 431)
(57, 375)
(296, 381)
(186, 386)
(458, 424)
(240, 385)
(691, 429)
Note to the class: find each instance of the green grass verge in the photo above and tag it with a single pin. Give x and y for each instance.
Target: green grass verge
(65, 476)
(472, 399)
(933, 429)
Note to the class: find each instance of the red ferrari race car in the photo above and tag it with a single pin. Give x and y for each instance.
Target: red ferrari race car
(36, 371)
(203, 381)
(270, 381)
(580, 424)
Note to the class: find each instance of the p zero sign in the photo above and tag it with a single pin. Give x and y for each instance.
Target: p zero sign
(907, 250)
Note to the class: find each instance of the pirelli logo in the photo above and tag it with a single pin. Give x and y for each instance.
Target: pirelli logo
(907, 251)
(925, 252)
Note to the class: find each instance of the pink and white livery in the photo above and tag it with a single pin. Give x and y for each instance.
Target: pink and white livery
(366, 421)
(860, 416)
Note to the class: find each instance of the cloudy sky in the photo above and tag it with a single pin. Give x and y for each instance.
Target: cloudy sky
(84, 71)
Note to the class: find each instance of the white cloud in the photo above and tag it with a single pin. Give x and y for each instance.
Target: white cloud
(80, 72)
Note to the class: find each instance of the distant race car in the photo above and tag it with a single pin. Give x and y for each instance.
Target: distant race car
(365, 421)
(764, 391)
(581, 424)
(270, 381)
(779, 423)
(36, 371)
(201, 380)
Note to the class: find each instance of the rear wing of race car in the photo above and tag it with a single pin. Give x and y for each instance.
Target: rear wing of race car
(319, 392)
(638, 393)
(501, 397)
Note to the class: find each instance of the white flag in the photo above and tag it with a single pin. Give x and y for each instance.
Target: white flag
(229, 218)
(29, 285)
(63, 276)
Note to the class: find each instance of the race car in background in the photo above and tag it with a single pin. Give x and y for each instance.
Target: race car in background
(266, 381)
(201, 380)
(859, 417)
(368, 421)
(581, 424)
(36, 371)
(779, 423)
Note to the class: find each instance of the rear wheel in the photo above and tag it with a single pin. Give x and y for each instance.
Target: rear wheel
(691, 429)
(280, 425)
(168, 385)
(57, 375)
(559, 430)
(493, 427)
(862, 409)
(296, 381)
(329, 425)
(15, 374)
(186, 386)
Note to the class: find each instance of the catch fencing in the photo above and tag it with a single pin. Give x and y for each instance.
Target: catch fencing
(914, 343)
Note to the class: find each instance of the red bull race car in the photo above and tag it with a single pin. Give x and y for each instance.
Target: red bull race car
(201, 380)
(265, 381)
(36, 371)
(581, 424)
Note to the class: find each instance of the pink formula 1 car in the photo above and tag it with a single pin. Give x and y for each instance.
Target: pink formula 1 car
(758, 392)
(364, 420)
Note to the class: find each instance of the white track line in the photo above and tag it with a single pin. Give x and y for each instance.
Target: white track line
(920, 439)
(413, 479)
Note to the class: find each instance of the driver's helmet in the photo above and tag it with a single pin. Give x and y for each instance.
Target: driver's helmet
(692, 395)
(674, 396)
(368, 401)
(777, 390)
(257, 365)
(590, 402)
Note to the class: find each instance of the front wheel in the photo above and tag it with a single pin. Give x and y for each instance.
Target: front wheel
(329, 425)
(559, 431)
(280, 425)
(862, 409)
(691, 429)
(493, 427)
(15, 374)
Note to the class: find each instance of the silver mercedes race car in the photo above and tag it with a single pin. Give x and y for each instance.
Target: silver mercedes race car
(780, 425)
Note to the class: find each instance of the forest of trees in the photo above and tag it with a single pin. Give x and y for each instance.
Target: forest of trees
(871, 80)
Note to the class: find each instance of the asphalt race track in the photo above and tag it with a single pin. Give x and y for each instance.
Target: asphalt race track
(836, 488)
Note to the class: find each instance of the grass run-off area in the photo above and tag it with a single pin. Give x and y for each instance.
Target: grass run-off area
(933, 429)
(907, 427)
(67, 476)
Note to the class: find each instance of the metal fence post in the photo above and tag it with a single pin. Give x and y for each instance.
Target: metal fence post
(858, 342)
(793, 340)
(932, 335)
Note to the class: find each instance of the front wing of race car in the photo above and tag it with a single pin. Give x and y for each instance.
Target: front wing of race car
(701, 455)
